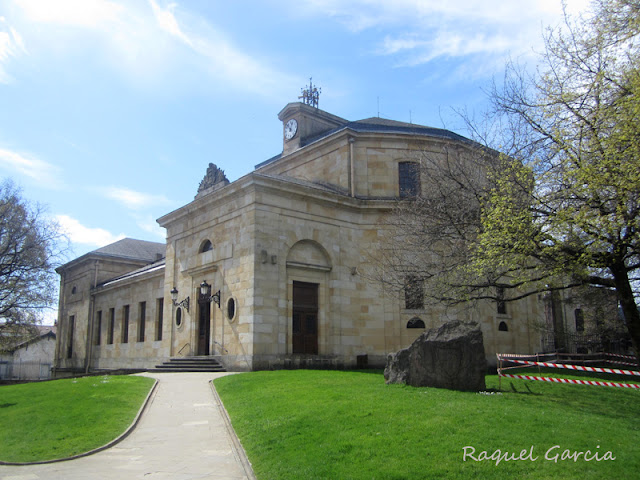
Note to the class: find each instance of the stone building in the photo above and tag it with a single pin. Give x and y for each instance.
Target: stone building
(31, 357)
(279, 254)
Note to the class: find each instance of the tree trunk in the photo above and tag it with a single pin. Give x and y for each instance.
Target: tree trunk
(628, 305)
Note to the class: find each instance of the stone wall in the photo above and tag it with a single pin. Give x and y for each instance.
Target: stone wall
(134, 353)
(76, 303)
(313, 216)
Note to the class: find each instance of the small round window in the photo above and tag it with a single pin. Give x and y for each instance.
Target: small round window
(178, 317)
(231, 308)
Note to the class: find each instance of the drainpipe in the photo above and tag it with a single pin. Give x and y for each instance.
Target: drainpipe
(90, 322)
(171, 306)
(61, 305)
(352, 169)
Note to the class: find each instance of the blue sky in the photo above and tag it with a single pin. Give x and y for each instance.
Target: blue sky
(110, 111)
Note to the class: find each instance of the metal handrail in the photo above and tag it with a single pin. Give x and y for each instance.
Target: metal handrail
(183, 347)
(221, 346)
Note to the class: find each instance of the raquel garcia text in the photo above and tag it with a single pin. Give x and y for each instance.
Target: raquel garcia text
(554, 454)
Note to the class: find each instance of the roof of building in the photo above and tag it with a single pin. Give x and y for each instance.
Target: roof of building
(40, 332)
(126, 249)
(379, 125)
(133, 249)
(384, 125)
(151, 268)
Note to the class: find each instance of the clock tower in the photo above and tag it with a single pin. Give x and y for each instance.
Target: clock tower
(302, 123)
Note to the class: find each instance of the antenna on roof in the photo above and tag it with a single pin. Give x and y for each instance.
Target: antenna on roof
(378, 107)
(311, 94)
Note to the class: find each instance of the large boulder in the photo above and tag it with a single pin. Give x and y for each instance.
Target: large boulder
(450, 356)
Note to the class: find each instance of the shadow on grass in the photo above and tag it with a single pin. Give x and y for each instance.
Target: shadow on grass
(7, 405)
(519, 392)
(368, 370)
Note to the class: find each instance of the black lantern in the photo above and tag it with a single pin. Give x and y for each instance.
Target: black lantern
(205, 288)
(174, 299)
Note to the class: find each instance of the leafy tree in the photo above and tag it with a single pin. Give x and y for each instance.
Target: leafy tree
(559, 207)
(31, 246)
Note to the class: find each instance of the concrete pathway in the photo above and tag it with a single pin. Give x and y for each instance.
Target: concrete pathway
(183, 435)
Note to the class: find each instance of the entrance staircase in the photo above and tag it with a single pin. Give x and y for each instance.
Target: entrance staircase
(190, 364)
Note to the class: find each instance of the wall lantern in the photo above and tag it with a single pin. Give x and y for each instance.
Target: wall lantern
(174, 298)
(205, 289)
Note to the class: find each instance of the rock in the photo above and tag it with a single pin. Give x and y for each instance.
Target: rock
(450, 356)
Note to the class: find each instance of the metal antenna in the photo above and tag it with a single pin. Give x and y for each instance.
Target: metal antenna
(311, 94)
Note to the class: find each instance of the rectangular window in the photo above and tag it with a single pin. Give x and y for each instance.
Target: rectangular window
(141, 320)
(159, 313)
(112, 323)
(72, 324)
(414, 292)
(98, 327)
(125, 324)
(408, 179)
(579, 317)
(501, 305)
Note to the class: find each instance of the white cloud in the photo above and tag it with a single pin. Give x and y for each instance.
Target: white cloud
(361, 14)
(11, 45)
(150, 43)
(78, 233)
(134, 200)
(218, 55)
(149, 224)
(167, 22)
(434, 28)
(77, 13)
(24, 164)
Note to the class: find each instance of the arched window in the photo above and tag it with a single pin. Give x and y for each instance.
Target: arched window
(206, 246)
(503, 327)
(415, 322)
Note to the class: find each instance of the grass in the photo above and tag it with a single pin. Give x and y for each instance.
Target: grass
(351, 425)
(61, 418)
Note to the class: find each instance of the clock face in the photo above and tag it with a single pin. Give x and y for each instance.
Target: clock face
(290, 129)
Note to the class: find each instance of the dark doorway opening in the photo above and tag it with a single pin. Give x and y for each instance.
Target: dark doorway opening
(204, 324)
(305, 318)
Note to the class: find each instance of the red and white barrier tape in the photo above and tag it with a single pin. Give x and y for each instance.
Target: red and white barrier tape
(516, 355)
(577, 367)
(629, 357)
(570, 380)
(616, 362)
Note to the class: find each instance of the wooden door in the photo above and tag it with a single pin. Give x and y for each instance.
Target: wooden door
(305, 318)
(204, 325)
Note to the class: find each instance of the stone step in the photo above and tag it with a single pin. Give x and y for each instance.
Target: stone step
(190, 364)
(178, 370)
(182, 361)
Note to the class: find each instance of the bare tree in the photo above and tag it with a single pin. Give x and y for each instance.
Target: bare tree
(31, 246)
(560, 206)
(428, 238)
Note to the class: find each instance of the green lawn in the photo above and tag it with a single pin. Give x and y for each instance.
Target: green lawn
(60, 418)
(350, 425)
